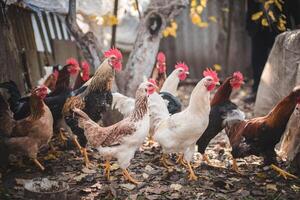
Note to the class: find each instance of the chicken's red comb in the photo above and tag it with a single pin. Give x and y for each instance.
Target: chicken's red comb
(211, 73)
(161, 57)
(182, 65)
(113, 52)
(238, 75)
(85, 65)
(72, 61)
(151, 80)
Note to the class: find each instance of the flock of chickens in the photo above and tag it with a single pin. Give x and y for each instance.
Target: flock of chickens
(28, 123)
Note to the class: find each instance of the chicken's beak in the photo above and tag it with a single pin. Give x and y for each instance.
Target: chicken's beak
(187, 73)
(218, 83)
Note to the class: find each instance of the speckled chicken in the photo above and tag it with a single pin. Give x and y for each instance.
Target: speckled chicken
(122, 139)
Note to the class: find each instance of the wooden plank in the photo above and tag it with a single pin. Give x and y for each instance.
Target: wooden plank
(63, 50)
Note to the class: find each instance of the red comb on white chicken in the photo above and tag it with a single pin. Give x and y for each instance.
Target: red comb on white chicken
(116, 57)
(73, 67)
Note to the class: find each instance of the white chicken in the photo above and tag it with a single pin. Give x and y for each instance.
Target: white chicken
(122, 139)
(179, 133)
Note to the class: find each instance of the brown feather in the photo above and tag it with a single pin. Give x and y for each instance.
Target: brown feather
(223, 93)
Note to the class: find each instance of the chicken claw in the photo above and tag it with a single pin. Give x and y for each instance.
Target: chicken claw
(107, 169)
(235, 166)
(283, 173)
(181, 161)
(164, 160)
(38, 164)
(63, 137)
(86, 158)
(150, 141)
(206, 159)
(128, 177)
(192, 176)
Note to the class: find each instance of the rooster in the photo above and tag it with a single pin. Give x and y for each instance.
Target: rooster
(122, 139)
(84, 76)
(95, 99)
(222, 111)
(159, 71)
(179, 133)
(28, 135)
(258, 136)
(50, 78)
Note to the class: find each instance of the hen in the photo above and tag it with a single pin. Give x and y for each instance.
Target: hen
(27, 135)
(122, 139)
(159, 71)
(258, 136)
(82, 77)
(222, 111)
(95, 99)
(179, 133)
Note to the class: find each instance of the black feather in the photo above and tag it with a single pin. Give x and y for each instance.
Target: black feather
(174, 105)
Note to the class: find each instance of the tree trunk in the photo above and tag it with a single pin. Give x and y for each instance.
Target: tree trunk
(142, 58)
(88, 43)
(10, 59)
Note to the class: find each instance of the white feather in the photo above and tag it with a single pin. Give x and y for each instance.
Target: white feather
(233, 116)
(122, 103)
(48, 72)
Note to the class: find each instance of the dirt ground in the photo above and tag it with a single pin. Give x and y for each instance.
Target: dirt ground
(156, 182)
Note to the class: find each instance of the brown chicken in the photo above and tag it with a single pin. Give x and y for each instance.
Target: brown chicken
(95, 99)
(28, 135)
(50, 81)
(83, 76)
(258, 136)
(159, 71)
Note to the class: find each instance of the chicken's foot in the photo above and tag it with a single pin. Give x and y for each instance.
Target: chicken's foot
(128, 177)
(150, 141)
(85, 156)
(62, 136)
(164, 160)
(181, 161)
(75, 141)
(282, 172)
(38, 164)
(206, 159)
(235, 166)
(107, 169)
(192, 176)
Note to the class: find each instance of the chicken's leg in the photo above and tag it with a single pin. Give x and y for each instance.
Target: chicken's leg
(206, 159)
(75, 141)
(282, 172)
(181, 161)
(150, 141)
(85, 155)
(38, 164)
(235, 166)
(164, 160)
(63, 137)
(128, 177)
(107, 169)
(192, 176)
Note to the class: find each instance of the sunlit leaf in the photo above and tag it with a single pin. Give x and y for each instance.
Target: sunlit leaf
(213, 19)
(166, 33)
(193, 3)
(278, 4)
(172, 32)
(217, 67)
(256, 16)
(199, 9)
(195, 18)
(92, 17)
(264, 22)
(203, 3)
(225, 9)
(202, 24)
(174, 25)
(271, 14)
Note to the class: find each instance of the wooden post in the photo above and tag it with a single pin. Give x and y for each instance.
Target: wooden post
(114, 27)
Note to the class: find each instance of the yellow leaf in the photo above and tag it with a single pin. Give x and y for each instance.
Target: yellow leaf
(195, 18)
(166, 33)
(193, 3)
(93, 17)
(256, 16)
(264, 22)
(174, 25)
(267, 4)
(225, 9)
(278, 4)
(203, 3)
(192, 10)
(199, 9)
(271, 14)
(213, 19)
(217, 67)
(202, 24)
(172, 32)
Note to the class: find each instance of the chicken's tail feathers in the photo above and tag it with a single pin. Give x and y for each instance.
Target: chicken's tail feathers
(6, 117)
(12, 91)
(232, 117)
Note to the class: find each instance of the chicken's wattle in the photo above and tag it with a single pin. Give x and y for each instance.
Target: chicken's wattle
(211, 87)
(182, 76)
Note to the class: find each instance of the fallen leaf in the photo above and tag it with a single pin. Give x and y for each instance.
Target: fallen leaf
(271, 187)
(97, 185)
(80, 177)
(176, 187)
(114, 167)
(128, 186)
(145, 176)
(20, 181)
(88, 171)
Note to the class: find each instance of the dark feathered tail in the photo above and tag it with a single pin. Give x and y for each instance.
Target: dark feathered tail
(14, 94)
